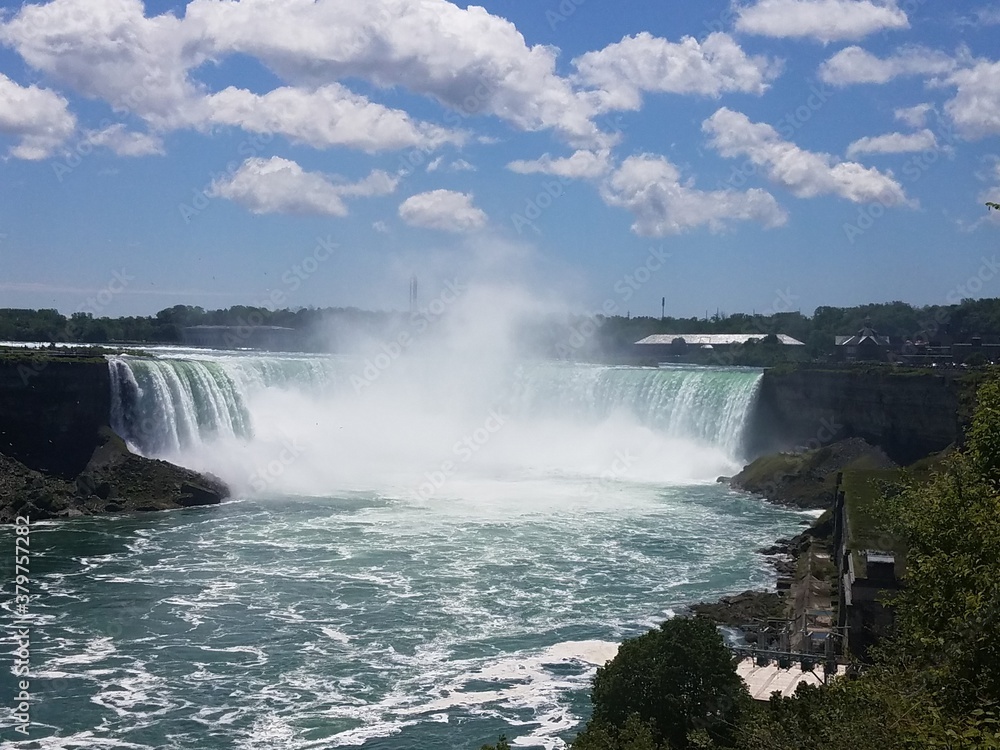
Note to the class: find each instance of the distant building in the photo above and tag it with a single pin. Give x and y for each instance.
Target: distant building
(864, 346)
(268, 338)
(663, 345)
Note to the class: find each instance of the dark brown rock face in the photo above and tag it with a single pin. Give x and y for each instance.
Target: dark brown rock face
(907, 414)
(115, 480)
(59, 458)
(51, 409)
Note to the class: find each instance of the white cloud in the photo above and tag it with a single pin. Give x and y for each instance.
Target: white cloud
(38, 117)
(649, 186)
(805, 173)
(580, 165)
(459, 165)
(125, 142)
(916, 116)
(330, 115)
(108, 49)
(276, 185)
(823, 20)
(381, 227)
(446, 210)
(894, 143)
(981, 17)
(469, 60)
(975, 109)
(620, 72)
(855, 65)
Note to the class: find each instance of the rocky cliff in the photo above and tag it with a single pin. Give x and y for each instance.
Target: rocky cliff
(51, 409)
(59, 457)
(907, 413)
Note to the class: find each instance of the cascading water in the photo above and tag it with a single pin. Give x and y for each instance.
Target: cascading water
(232, 413)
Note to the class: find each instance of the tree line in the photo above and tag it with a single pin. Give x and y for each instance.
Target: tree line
(899, 320)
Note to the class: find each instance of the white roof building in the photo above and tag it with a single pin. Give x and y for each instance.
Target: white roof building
(714, 339)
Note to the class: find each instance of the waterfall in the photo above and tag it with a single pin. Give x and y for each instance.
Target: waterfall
(166, 405)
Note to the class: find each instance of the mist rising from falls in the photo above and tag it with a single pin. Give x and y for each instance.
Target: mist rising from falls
(297, 424)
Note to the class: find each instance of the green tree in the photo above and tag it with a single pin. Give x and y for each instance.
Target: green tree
(949, 612)
(674, 679)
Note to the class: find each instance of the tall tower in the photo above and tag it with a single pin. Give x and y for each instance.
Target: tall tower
(413, 294)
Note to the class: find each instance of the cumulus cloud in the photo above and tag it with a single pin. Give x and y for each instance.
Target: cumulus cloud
(894, 143)
(916, 116)
(805, 173)
(855, 65)
(650, 187)
(975, 109)
(619, 73)
(580, 165)
(276, 185)
(330, 115)
(125, 142)
(471, 61)
(109, 50)
(458, 165)
(823, 20)
(39, 118)
(446, 210)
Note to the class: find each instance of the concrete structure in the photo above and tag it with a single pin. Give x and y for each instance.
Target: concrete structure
(763, 680)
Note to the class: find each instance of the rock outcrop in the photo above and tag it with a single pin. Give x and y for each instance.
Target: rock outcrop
(808, 479)
(59, 457)
(907, 413)
(52, 407)
(115, 480)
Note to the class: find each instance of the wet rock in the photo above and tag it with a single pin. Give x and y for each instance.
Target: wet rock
(115, 480)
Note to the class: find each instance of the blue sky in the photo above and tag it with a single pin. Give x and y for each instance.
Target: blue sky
(779, 154)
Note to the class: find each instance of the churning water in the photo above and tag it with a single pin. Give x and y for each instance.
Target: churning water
(417, 556)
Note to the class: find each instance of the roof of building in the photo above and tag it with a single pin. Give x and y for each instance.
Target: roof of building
(877, 556)
(866, 334)
(715, 339)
